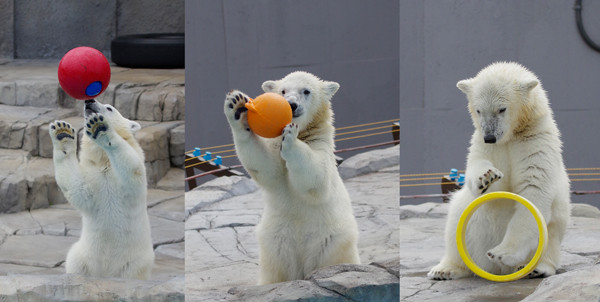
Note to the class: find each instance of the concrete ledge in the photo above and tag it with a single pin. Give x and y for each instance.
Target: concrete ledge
(34, 288)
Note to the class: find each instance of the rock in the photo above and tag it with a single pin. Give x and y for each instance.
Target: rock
(298, 290)
(584, 210)
(165, 231)
(577, 285)
(369, 162)
(8, 93)
(235, 185)
(156, 170)
(175, 250)
(37, 288)
(37, 93)
(342, 282)
(25, 250)
(177, 146)
(173, 181)
(149, 107)
(174, 108)
(424, 210)
(172, 209)
(126, 100)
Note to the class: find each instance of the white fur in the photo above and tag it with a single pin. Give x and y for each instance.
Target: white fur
(108, 186)
(526, 159)
(307, 221)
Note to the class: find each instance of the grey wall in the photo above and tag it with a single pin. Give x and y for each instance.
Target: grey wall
(240, 44)
(32, 29)
(442, 42)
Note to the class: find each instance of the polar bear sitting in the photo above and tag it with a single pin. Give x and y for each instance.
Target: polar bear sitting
(108, 186)
(307, 221)
(516, 147)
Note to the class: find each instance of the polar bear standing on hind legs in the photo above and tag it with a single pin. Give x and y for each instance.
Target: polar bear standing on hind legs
(108, 187)
(516, 147)
(307, 221)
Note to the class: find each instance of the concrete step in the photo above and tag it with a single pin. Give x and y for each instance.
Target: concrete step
(27, 182)
(140, 94)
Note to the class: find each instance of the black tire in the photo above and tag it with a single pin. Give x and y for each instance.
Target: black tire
(165, 50)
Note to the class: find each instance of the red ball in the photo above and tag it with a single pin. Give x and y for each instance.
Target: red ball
(84, 73)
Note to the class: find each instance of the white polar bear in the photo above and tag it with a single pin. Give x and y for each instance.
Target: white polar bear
(516, 147)
(307, 221)
(108, 186)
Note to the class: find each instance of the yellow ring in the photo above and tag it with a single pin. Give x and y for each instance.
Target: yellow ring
(462, 227)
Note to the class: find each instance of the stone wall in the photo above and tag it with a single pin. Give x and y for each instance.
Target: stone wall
(39, 30)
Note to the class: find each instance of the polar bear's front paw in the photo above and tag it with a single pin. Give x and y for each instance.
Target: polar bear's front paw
(507, 256)
(290, 133)
(96, 126)
(235, 102)
(444, 271)
(63, 136)
(483, 183)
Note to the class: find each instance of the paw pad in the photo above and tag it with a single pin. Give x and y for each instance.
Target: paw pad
(62, 130)
(95, 124)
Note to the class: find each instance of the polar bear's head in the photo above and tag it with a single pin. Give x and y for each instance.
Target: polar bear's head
(504, 98)
(307, 94)
(122, 126)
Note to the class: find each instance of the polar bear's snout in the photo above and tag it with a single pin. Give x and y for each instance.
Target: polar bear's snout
(489, 139)
(91, 106)
(296, 108)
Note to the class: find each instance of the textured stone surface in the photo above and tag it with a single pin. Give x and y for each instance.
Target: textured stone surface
(368, 162)
(34, 244)
(422, 242)
(222, 250)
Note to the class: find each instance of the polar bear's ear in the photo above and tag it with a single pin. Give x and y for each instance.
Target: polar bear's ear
(464, 86)
(330, 88)
(527, 86)
(268, 86)
(134, 126)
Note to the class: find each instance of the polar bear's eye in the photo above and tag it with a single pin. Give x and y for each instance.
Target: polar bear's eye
(109, 109)
(283, 92)
(502, 110)
(478, 112)
(306, 92)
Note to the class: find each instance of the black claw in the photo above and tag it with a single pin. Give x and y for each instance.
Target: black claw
(484, 190)
(101, 118)
(53, 127)
(230, 105)
(88, 125)
(237, 97)
(88, 133)
(95, 119)
(248, 129)
(480, 187)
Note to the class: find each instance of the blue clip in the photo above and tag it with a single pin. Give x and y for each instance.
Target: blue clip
(453, 174)
(196, 152)
(219, 160)
(461, 180)
(207, 156)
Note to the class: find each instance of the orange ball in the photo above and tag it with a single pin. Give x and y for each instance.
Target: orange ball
(268, 114)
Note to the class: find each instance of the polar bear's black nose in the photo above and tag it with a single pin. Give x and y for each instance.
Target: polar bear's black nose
(489, 139)
(294, 106)
(90, 101)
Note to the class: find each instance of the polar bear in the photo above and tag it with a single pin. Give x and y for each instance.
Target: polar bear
(516, 147)
(307, 221)
(108, 186)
